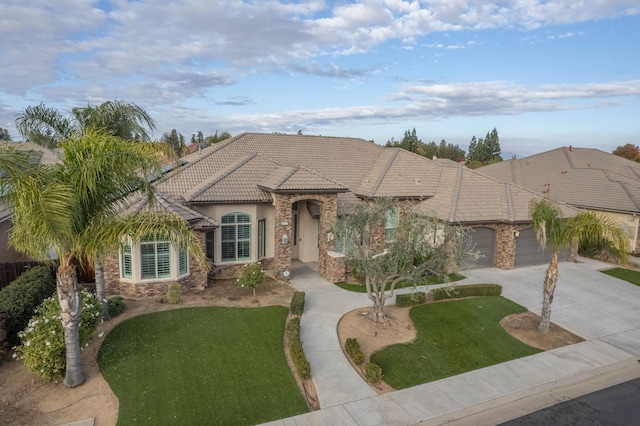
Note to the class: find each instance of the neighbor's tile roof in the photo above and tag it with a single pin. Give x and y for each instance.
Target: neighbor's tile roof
(251, 166)
(582, 177)
(466, 196)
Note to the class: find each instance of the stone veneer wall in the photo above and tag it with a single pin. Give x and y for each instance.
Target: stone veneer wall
(284, 226)
(335, 267)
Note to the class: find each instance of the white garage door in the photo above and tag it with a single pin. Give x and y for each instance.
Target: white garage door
(482, 240)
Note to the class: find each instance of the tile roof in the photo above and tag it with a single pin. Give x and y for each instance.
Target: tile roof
(251, 166)
(582, 177)
(162, 204)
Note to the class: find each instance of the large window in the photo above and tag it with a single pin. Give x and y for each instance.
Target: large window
(235, 232)
(390, 224)
(153, 260)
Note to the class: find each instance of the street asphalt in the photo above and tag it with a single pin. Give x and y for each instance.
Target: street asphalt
(603, 310)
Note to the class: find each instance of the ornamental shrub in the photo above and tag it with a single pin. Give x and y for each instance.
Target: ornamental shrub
(19, 299)
(373, 372)
(116, 306)
(409, 299)
(352, 347)
(174, 293)
(252, 276)
(42, 348)
(460, 291)
(297, 303)
(295, 349)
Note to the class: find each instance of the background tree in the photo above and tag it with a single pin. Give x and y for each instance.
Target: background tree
(553, 230)
(197, 137)
(412, 143)
(175, 143)
(214, 139)
(4, 134)
(48, 126)
(74, 208)
(422, 246)
(484, 151)
(629, 151)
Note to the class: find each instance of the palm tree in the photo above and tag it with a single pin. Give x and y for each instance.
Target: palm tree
(48, 126)
(73, 208)
(554, 230)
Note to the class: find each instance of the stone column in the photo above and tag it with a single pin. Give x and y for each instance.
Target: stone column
(328, 215)
(283, 234)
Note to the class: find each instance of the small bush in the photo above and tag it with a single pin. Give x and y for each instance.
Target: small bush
(373, 372)
(352, 347)
(415, 298)
(297, 303)
(252, 276)
(19, 299)
(295, 349)
(43, 348)
(174, 293)
(460, 291)
(116, 306)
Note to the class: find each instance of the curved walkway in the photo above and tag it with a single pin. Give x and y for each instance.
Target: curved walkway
(603, 310)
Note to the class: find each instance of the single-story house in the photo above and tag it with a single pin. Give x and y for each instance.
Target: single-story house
(585, 178)
(272, 198)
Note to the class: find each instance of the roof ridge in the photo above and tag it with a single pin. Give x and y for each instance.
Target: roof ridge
(293, 170)
(207, 183)
(565, 150)
(510, 208)
(384, 172)
(456, 196)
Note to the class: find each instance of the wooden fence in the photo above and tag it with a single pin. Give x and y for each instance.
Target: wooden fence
(10, 271)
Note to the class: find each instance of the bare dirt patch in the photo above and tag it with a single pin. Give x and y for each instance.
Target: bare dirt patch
(373, 337)
(25, 400)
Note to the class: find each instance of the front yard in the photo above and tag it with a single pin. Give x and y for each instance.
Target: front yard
(207, 365)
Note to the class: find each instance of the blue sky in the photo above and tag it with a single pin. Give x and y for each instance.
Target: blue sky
(544, 73)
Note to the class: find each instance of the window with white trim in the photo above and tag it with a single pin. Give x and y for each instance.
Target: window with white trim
(153, 259)
(235, 235)
(126, 261)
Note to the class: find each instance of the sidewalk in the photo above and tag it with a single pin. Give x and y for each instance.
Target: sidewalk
(603, 310)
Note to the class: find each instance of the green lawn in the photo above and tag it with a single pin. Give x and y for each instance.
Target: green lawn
(453, 337)
(212, 365)
(624, 274)
(360, 288)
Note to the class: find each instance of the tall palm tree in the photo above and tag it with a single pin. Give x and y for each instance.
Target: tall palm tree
(48, 126)
(73, 208)
(552, 229)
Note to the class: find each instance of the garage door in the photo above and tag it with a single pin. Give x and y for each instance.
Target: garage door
(482, 240)
(528, 251)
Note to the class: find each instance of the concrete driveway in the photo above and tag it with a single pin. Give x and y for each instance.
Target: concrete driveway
(601, 309)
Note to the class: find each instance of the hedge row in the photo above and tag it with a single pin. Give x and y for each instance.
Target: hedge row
(295, 349)
(409, 299)
(352, 347)
(460, 291)
(19, 300)
(297, 303)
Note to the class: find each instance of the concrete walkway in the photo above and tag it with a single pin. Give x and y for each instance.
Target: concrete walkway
(603, 310)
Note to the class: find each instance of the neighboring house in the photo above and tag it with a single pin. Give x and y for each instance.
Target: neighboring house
(273, 198)
(39, 155)
(585, 178)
